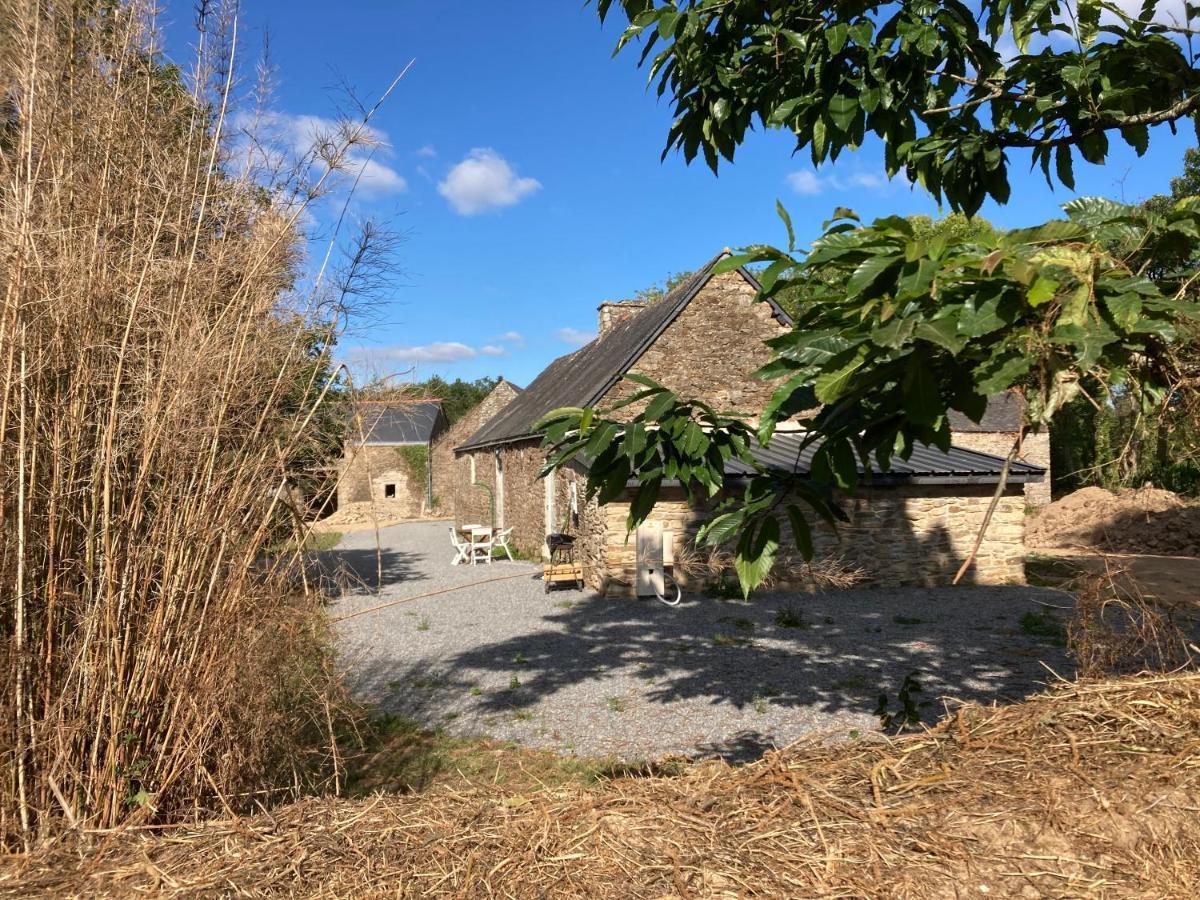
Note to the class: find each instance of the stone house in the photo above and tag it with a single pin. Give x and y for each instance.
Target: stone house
(996, 432)
(453, 484)
(705, 339)
(387, 455)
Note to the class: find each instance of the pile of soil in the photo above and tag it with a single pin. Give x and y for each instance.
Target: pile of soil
(367, 514)
(1146, 520)
(1089, 790)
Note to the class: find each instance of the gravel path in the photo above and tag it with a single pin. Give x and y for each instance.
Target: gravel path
(637, 680)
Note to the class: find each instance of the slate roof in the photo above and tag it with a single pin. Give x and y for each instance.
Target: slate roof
(1005, 412)
(582, 378)
(927, 465)
(404, 422)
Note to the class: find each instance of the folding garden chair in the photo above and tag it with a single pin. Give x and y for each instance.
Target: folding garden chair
(501, 541)
(462, 549)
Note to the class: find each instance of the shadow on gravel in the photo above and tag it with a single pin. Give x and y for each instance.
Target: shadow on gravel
(845, 651)
(366, 569)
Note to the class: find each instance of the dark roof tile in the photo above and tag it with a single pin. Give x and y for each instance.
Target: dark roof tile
(582, 378)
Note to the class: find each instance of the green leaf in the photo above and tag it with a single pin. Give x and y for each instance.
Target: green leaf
(657, 408)
(942, 331)
(755, 554)
(787, 221)
(1041, 291)
(922, 400)
(843, 110)
(833, 382)
(869, 271)
(835, 36)
(801, 532)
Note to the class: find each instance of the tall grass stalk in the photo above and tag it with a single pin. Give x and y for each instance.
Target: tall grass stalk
(156, 389)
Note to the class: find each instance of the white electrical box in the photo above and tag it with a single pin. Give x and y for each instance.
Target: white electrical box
(650, 559)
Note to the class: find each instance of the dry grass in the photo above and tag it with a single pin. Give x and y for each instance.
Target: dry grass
(1089, 790)
(159, 374)
(1117, 629)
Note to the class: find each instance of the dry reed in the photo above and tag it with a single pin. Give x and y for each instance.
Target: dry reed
(1089, 790)
(157, 391)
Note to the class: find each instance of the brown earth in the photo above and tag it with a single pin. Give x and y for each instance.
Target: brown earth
(365, 515)
(1087, 790)
(1142, 521)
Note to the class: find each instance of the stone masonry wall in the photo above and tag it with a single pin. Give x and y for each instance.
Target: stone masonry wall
(1035, 450)
(450, 471)
(470, 502)
(897, 536)
(365, 472)
(711, 351)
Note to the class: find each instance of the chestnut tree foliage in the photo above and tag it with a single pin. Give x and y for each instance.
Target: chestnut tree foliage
(897, 326)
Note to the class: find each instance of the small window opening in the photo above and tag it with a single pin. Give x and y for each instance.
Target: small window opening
(389, 492)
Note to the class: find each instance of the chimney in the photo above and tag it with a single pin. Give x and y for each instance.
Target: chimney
(614, 312)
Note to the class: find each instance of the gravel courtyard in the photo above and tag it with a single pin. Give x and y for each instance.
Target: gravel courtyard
(638, 680)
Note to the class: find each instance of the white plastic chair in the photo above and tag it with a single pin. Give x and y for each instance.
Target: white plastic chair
(501, 541)
(482, 541)
(462, 549)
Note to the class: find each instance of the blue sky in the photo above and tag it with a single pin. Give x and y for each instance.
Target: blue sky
(523, 163)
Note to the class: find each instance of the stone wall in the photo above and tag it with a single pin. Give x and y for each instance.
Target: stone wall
(1035, 450)
(896, 536)
(450, 471)
(366, 471)
(471, 504)
(711, 351)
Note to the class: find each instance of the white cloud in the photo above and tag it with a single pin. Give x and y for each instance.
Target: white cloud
(805, 182)
(514, 339)
(279, 138)
(484, 180)
(574, 336)
(427, 151)
(444, 352)
(810, 183)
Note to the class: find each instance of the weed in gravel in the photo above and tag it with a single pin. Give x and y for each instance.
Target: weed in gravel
(1044, 624)
(761, 704)
(907, 715)
(744, 624)
(721, 639)
(422, 624)
(615, 704)
(789, 617)
(522, 715)
(907, 620)
(564, 604)
(520, 659)
(514, 683)
(476, 691)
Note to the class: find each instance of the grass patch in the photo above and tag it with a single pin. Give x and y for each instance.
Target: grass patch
(721, 639)
(399, 755)
(616, 704)
(789, 617)
(1045, 625)
(1051, 571)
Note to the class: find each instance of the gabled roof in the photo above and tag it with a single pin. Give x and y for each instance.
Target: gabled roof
(582, 378)
(400, 422)
(1005, 412)
(927, 465)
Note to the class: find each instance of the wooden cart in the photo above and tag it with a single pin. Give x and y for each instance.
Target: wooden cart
(562, 573)
(562, 568)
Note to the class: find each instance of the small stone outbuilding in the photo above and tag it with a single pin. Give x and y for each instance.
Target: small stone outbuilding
(705, 339)
(387, 455)
(453, 483)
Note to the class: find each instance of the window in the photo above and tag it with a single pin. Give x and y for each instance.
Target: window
(389, 492)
